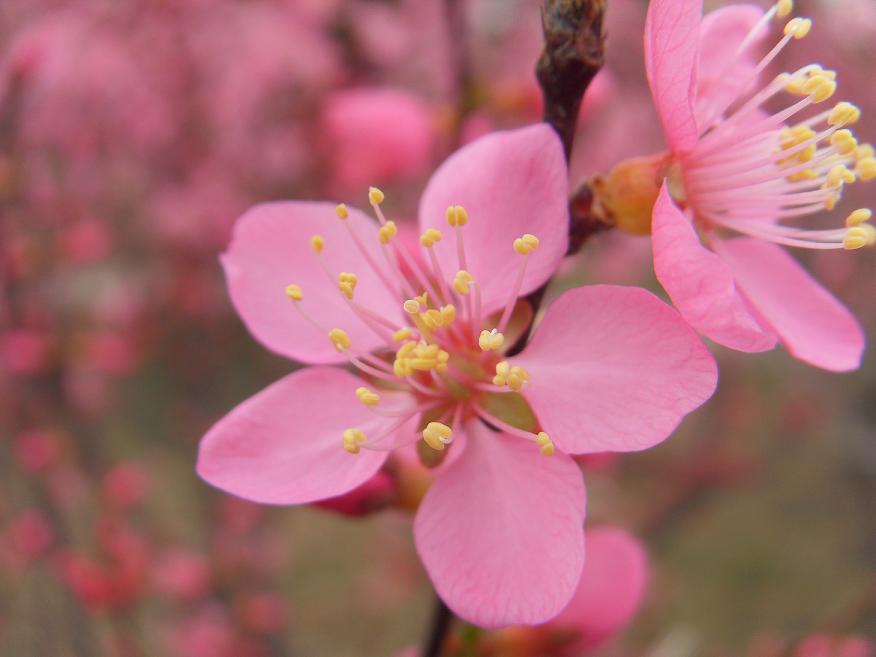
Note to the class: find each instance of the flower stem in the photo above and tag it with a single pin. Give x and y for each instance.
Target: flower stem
(442, 621)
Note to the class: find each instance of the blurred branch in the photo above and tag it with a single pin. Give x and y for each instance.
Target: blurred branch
(442, 619)
(460, 63)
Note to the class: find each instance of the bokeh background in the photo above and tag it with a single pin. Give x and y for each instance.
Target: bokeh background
(134, 132)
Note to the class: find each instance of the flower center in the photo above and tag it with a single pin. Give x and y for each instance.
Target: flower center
(444, 363)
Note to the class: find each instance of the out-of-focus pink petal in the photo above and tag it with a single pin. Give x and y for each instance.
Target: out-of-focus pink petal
(614, 369)
(377, 135)
(721, 71)
(271, 249)
(284, 445)
(700, 284)
(811, 323)
(500, 531)
(672, 34)
(510, 183)
(612, 586)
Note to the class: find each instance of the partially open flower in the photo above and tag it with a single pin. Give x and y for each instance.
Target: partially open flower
(738, 179)
(431, 334)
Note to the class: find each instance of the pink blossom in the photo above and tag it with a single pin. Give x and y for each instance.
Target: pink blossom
(608, 369)
(376, 135)
(735, 168)
(611, 590)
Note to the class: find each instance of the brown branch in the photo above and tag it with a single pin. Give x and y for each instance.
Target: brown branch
(574, 51)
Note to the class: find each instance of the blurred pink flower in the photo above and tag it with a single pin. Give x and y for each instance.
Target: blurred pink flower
(369, 496)
(24, 351)
(126, 484)
(591, 375)
(36, 450)
(822, 645)
(376, 136)
(611, 590)
(744, 171)
(207, 633)
(85, 241)
(263, 612)
(31, 534)
(181, 574)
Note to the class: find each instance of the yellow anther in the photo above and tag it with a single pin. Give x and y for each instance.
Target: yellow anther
(437, 435)
(375, 196)
(462, 282)
(844, 114)
(514, 377)
(795, 85)
(457, 216)
(831, 201)
(402, 334)
(844, 142)
(436, 318)
(784, 8)
(819, 87)
(353, 438)
(526, 244)
(294, 292)
(859, 237)
(367, 396)
(864, 151)
(341, 211)
(339, 339)
(517, 378)
(419, 357)
(347, 283)
(502, 370)
(798, 27)
(840, 175)
(387, 232)
(430, 237)
(431, 318)
(317, 243)
(866, 168)
(793, 137)
(802, 176)
(545, 444)
(411, 306)
(490, 340)
(858, 217)
(443, 357)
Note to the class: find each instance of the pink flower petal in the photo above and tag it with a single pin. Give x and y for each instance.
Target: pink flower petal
(510, 183)
(271, 249)
(284, 445)
(500, 531)
(613, 583)
(614, 369)
(672, 33)
(811, 323)
(700, 284)
(721, 71)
